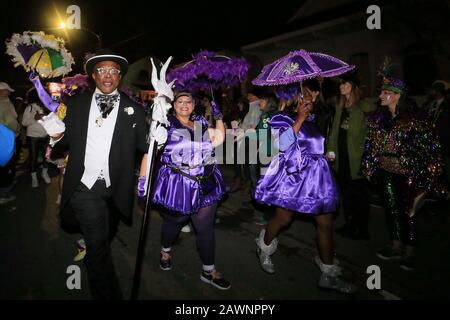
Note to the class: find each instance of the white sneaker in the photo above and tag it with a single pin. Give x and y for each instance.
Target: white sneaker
(265, 261)
(81, 243)
(333, 282)
(186, 228)
(45, 176)
(337, 270)
(34, 180)
(58, 199)
(265, 251)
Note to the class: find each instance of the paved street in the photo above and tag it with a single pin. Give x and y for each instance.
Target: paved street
(36, 253)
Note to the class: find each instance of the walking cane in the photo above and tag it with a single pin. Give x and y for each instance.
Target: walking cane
(144, 226)
(160, 108)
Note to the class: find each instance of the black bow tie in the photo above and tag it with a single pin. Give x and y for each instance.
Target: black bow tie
(106, 102)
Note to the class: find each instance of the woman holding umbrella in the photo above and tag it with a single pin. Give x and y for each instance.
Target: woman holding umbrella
(300, 180)
(190, 184)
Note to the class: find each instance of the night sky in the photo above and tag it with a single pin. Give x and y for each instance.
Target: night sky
(141, 28)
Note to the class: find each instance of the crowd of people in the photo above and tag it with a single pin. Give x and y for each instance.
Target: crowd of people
(313, 155)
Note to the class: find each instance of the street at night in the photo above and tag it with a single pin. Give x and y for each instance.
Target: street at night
(291, 151)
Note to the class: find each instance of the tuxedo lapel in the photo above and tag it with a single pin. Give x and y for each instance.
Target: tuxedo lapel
(119, 128)
(120, 122)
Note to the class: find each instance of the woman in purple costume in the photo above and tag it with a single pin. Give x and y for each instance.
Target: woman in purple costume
(189, 184)
(300, 180)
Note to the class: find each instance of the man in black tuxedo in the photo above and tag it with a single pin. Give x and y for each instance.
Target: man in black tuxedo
(104, 132)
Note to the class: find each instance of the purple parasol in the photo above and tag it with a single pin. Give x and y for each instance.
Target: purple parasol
(208, 71)
(298, 66)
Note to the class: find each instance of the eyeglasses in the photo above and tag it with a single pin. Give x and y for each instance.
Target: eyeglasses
(110, 71)
(185, 103)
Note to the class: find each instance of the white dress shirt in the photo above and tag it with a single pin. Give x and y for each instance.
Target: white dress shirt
(98, 144)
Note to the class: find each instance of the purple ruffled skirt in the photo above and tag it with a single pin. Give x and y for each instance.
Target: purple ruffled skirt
(307, 186)
(184, 195)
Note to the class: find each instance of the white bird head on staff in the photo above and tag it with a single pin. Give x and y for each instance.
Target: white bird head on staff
(164, 97)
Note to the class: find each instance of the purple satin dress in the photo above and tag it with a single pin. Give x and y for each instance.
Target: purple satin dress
(298, 178)
(193, 157)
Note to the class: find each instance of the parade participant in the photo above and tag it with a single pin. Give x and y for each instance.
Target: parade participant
(237, 114)
(345, 147)
(102, 131)
(205, 109)
(248, 126)
(402, 158)
(436, 105)
(189, 184)
(268, 105)
(300, 180)
(37, 137)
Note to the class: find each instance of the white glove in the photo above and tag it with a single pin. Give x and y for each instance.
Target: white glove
(52, 124)
(159, 135)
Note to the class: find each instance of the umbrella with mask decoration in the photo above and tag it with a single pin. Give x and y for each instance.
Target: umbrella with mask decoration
(286, 73)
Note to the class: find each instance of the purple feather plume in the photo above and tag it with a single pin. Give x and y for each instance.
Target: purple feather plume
(130, 93)
(77, 83)
(207, 71)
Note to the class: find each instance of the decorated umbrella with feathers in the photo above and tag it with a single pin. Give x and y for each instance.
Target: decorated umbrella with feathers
(41, 53)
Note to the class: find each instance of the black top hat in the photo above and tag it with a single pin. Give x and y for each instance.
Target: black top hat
(106, 55)
(352, 77)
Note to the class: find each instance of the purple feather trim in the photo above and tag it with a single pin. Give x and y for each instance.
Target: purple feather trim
(207, 71)
(79, 80)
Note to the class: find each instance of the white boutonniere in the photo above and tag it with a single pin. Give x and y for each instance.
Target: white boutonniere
(129, 110)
